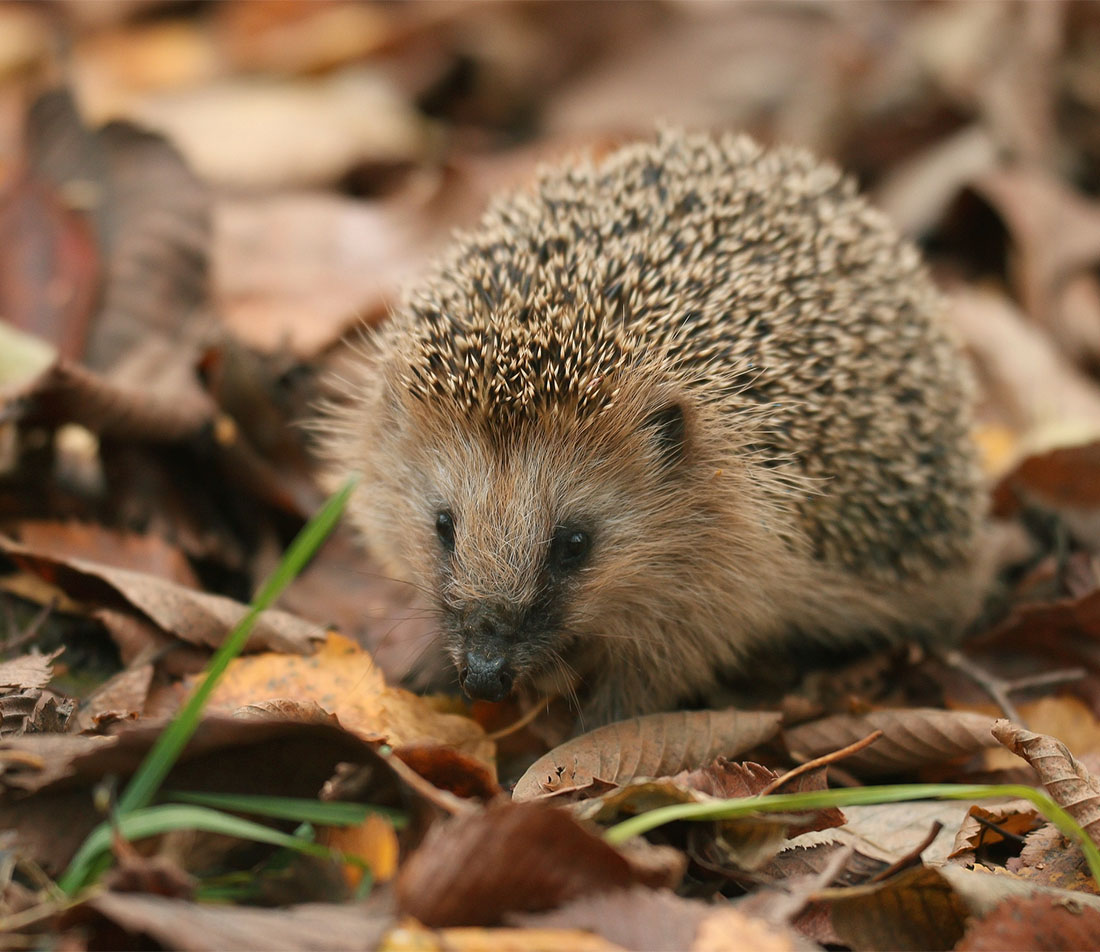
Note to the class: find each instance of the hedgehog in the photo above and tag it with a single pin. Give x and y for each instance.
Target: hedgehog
(663, 413)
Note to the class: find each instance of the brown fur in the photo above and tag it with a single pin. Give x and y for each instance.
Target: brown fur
(825, 485)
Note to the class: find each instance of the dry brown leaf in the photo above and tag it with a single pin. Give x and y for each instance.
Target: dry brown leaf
(121, 696)
(511, 857)
(917, 909)
(1067, 780)
(49, 267)
(911, 738)
(45, 780)
(1057, 233)
(116, 67)
(718, 65)
(983, 891)
(353, 593)
(890, 831)
(635, 918)
(305, 712)
(980, 828)
(411, 936)
(27, 671)
(1039, 923)
(344, 680)
(195, 617)
(732, 930)
(742, 843)
(915, 194)
(298, 271)
(201, 927)
(447, 768)
(1032, 385)
(301, 38)
(653, 746)
(265, 132)
(151, 219)
(148, 554)
(36, 385)
(726, 780)
(660, 921)
(806, 862)
(1048, 859)
(1065, 481)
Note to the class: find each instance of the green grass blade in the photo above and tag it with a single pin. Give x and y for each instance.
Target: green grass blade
(160, 760)
(319, 812)
(858, 796)
(164, 753)
(153, 821)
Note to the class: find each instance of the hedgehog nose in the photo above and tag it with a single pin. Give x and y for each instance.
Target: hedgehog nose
(485, 677)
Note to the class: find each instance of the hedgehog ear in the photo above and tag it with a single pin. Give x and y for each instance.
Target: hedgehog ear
(668, 429)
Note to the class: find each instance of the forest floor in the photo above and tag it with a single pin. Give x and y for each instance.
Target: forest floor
(200, 206)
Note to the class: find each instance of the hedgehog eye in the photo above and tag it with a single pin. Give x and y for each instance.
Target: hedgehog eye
(569, 548)
(445, 529)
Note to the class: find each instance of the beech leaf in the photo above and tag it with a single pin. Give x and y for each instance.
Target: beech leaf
(653, 746)
(911, 738)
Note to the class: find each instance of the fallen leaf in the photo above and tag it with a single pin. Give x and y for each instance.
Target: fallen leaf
(917, 909)
(983, 891)
(911, 738)
(46, 780)
(298, 271)
(411, 936)
(889, 831)
(805, 862)
(726, 781)
(195, 617)
(301, 38)
(374, 841)
(344, 680)
(266, 132)
(147, 554)
(49, 267)
(28, 671)
(983, 824)
(1064, 481)
(656, 920)
(121, 696)
(1067, 780)
(200, 927)
(449, 769)
(347, 589)
(511, 857)
(1033, 386)
(1048, 859)
(1056, 232)
(724, 846)
(653, 746)
(151, 222)
(1035, 923)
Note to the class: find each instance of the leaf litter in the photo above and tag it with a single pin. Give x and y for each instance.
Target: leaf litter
(173, 295)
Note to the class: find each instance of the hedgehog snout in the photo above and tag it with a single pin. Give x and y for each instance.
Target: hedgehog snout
(484, 670)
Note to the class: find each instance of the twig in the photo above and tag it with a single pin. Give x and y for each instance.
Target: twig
(523, 721)
(999, 688)
(910, 858)
(13, 640)
(822, 761)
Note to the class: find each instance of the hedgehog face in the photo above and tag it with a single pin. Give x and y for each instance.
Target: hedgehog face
(531, 540)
